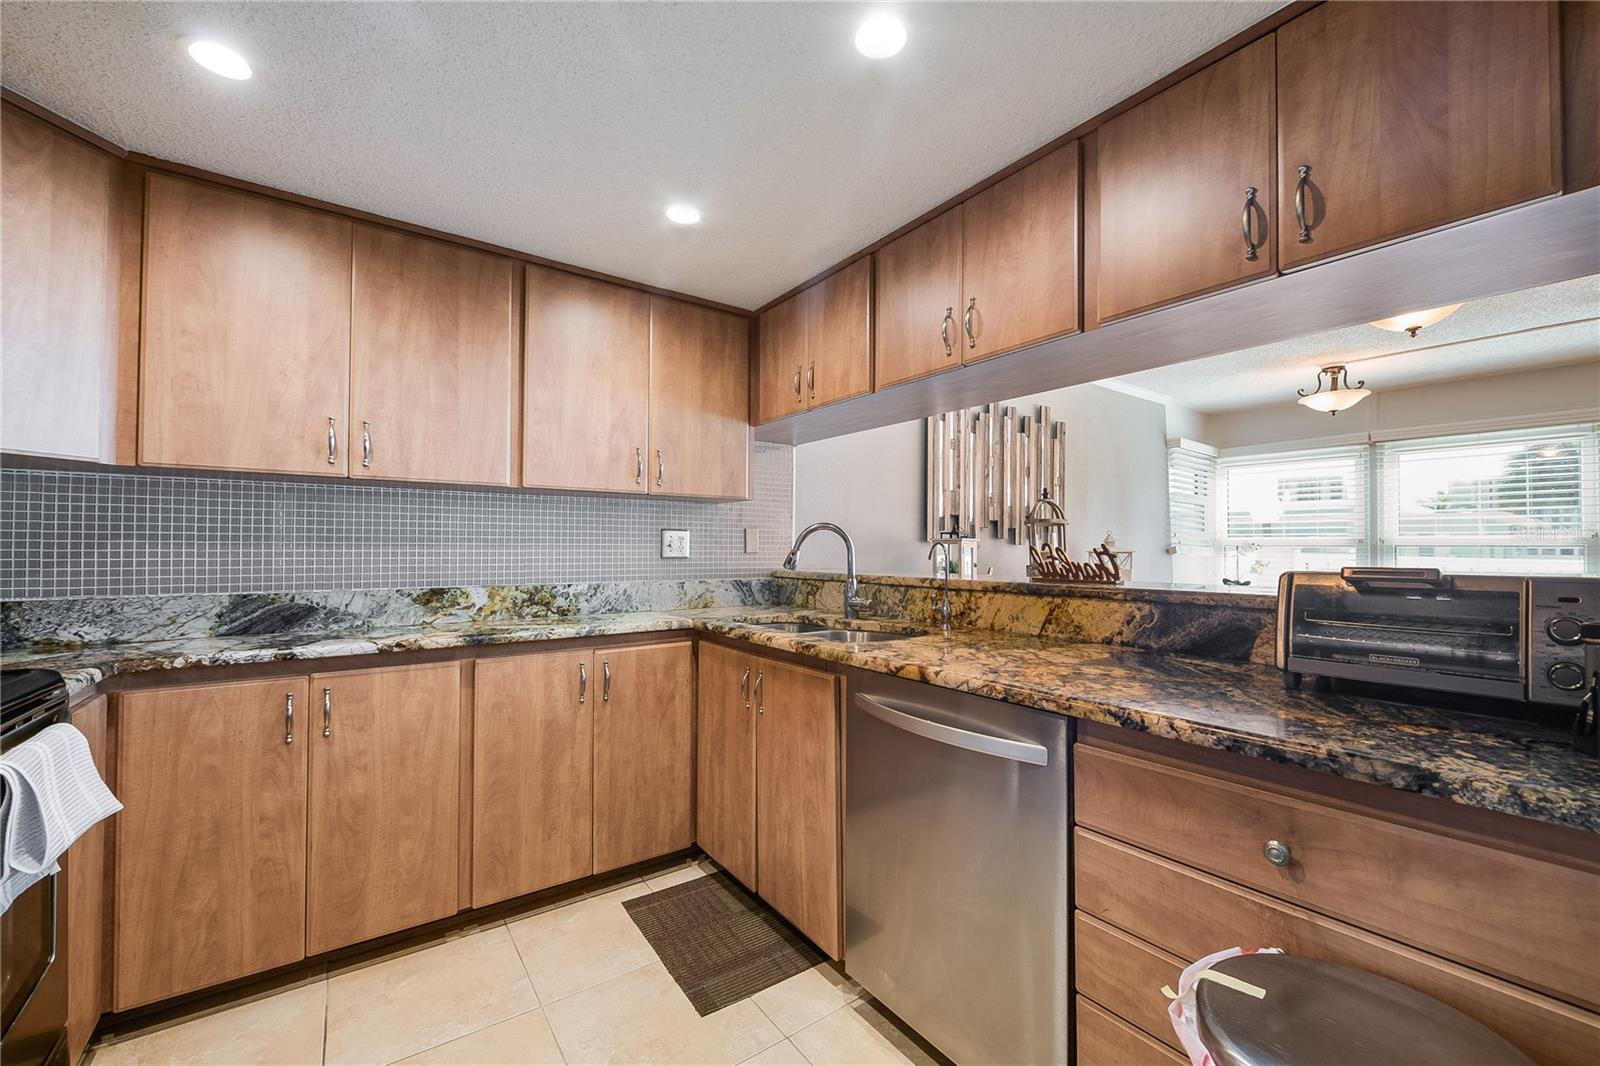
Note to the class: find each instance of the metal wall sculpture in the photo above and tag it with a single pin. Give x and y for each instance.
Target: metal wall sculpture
(988, 466)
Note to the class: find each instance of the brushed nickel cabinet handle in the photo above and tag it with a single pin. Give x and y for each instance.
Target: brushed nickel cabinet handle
(605, 680)
(1250, 242)
(761, 692)
(744, 688)
(966, 322)
(661, 467)
(366, 443)
(583, 680)
(1300, 204)
(333, 443)
(798, 395)
(811, 380)
(638, 466)
(327, 712)
(1277, 853)
(288, 717)
(944, 330)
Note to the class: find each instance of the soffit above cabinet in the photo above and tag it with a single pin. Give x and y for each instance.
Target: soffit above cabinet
(797, 149)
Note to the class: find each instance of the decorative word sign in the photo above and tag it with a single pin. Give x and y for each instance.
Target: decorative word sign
(1050, 563)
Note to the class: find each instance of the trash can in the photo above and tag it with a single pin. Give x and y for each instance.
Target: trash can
(1318, 1013)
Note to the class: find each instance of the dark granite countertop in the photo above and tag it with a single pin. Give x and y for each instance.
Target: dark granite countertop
(1514, 767)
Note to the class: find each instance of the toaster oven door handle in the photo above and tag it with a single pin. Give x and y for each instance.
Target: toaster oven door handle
(1395, 577)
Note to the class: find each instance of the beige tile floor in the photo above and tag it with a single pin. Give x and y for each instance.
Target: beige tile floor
(573, 982)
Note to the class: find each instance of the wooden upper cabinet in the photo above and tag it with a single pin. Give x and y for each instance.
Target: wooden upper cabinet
(725, 761)
(917, 323)
(433, 361)
(781, 359)
(700, 439)
(643, 705)
(1019, 258)
(59, 270)
(1175, 182)
(838, 330)
(210, 846)
(797, 798)
(245, 356)
(532, 773)
(384, 817)
(586, 384)
(1409, 116)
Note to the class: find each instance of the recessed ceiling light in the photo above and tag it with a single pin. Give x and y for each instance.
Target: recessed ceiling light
(683, 214)
(220, 59)
(880, 35)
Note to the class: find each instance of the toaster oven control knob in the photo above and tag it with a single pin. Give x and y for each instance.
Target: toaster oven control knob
(1564, 629)
(1565, 675)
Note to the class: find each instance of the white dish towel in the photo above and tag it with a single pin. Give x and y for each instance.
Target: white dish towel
(50, 794)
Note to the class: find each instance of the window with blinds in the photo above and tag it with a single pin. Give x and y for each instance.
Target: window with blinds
(1302, 510)
(1191, 484)
(1523, 502)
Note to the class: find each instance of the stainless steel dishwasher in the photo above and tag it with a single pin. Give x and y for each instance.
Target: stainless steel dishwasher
(956, 838)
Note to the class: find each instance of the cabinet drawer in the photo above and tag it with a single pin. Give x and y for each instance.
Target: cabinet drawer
(1106, 1040)
(1524, 918)
(1189, 914)
(1125, 974)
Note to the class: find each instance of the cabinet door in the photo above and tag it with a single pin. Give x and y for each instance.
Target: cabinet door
(245, 352)
(433, 361)
(1173, 180)
(643, 753)
(86, 899)
(586, 384)
(797, 798)
(1411, 116)
(839, 335)
(211, 840)
(699, 401)
(780, 359)
(59, 267)
(1019, 258)
(725, 764)
(917, 295)
(532, 774)
(385, 763)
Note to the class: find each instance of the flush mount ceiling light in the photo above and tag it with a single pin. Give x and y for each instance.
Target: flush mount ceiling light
(683, 214)
(1412, 321)
(1340, 395)
(220, 59)
(880, 35)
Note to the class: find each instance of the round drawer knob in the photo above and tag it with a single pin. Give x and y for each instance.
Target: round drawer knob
(1564, 629)
(1277, 853)
(1565, 675)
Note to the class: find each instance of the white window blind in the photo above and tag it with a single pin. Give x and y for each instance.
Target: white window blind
(1316, 497)
(1521, 501)
(1191, 487)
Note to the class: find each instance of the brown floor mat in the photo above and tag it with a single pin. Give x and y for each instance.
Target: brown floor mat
(718, 942)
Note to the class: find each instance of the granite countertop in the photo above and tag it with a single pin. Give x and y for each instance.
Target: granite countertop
(1514, 767)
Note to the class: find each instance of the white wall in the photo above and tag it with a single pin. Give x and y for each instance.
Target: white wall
(872, 484)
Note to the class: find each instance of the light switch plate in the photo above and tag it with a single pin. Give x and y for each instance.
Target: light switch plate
(674, 544)
(752, 540)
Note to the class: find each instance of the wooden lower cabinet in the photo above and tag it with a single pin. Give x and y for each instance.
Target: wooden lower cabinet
(211, 841)
(384, 793)
(725, 762)
(85, 868)
(642, 699)
(532, 773)
(1106, 1040)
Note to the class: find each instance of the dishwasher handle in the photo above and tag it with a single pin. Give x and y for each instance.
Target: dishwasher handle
(902, 716)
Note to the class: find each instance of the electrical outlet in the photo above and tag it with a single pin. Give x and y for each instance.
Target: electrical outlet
(674, 544)
(752, 540)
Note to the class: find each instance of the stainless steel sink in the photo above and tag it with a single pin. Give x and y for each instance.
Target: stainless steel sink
(791, 627)
(860, 636)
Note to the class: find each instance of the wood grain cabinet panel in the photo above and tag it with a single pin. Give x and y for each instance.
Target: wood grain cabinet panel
(797, 797)
(1019, 258)
(1172, 189)
(86, 898)
(917, 298)
(1106, 1040)
(781, 358)
(1119, 971)
(59, 271)
(245, 352)
(725, 761)
(1411, 116)
(533, 774)
(700, 440)
(838, 330)
(385, 758)
(211, 841)
(643, 753)
(586, 384)
(433, 361)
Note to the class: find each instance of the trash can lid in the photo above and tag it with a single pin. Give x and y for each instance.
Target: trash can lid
(1318, 1013)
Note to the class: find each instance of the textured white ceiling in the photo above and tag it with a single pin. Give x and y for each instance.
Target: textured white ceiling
(1547, 326)
(564, 129)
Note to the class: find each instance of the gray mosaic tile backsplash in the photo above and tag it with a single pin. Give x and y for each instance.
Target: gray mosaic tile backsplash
(75, 533)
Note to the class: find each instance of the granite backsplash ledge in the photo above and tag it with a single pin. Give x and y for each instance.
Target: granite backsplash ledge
(83, 621)
(1219, 624)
